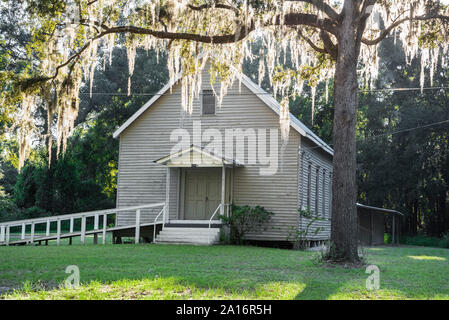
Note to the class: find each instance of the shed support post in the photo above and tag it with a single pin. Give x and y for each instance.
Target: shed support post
(398, 227)
(392, 231)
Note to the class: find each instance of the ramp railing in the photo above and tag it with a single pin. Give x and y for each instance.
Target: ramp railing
(7, 238)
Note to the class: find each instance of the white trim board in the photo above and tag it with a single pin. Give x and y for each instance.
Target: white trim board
(145, 106)
(218, 158)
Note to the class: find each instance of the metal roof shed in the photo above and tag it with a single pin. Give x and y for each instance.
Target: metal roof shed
(371, 222)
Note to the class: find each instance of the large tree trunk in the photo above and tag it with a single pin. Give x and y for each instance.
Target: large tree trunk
(344, 230)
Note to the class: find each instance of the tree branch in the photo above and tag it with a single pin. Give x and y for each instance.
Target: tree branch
(394, 25)
(329, 45)
(365, 13)
(322, 6)
(209, 6)
(214, 39)
(220, 39)
(290, 19)
(306, 19)
(310, 42)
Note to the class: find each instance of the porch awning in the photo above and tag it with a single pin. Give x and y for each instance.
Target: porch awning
(195, 156)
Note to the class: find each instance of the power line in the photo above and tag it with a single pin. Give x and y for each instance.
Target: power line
(408, 130)
(404, 89)
(164, 94)
(392, 133)
(259, 93)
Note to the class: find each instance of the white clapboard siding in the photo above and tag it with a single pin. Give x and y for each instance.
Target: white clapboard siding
(310, 154)
(141, 181)
(148, 139)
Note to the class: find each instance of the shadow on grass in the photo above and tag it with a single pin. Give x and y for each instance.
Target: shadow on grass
(219, 272)
(315, 290)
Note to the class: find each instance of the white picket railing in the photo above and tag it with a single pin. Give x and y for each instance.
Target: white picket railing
(5, 227)
(210, 221)
(155, 222)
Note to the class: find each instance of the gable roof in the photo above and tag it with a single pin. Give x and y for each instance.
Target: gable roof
(267, 98)
(196, 156)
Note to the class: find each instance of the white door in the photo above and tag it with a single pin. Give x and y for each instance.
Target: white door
(202, 193)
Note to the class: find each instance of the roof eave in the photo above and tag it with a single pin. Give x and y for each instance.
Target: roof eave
(363, 206)
(139, 112)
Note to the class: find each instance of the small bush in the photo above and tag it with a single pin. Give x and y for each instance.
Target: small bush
(422, 240)
(299, 236)
(8, 209)
(244, 219)
(445, 241)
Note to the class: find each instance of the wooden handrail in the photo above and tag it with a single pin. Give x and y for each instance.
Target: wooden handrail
(155, 219)
(5, 226)
(78, 215)
(210, 221)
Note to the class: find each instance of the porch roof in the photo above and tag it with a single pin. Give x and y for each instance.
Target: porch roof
(195, 156)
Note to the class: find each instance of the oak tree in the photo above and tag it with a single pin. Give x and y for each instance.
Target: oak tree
(325, 39)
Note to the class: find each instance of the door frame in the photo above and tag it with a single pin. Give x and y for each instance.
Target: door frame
(182, 189)
(182, 194)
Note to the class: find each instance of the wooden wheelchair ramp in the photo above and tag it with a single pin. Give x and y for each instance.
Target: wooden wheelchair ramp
(155, 216)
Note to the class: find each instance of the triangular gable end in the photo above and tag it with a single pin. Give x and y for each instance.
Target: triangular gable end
(144, 108)
(196, 156)
(265, 97)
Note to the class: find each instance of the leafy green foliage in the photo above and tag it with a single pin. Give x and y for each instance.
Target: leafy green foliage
(299, 236)
(422, 240)
(407, 170)
(42, 191)
(244, 219)
(86, 177)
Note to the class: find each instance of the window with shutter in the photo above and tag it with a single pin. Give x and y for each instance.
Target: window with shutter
(208, 105)
(323, 194)
(317, 184)
(309, 183)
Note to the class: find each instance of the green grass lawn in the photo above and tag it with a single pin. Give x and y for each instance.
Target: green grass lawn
(217, 272)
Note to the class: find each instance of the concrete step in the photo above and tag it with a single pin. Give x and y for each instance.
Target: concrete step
(189, 235)
(190, 238)
(189, 229)
(188, 243)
